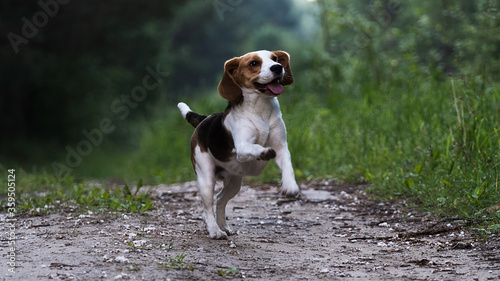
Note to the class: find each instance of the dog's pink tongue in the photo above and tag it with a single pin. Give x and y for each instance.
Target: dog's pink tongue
(276, 88)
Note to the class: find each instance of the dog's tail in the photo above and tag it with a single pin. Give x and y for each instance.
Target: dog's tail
(192, 117)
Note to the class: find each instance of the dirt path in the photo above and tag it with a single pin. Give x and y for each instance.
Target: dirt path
(331, 233)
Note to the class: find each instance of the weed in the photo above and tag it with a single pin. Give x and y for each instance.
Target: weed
(168, 247)
(230, 272)
(178, 263)
(131, 244)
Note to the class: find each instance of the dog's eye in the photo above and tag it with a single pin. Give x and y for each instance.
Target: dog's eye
(254, 63)
(275, 58)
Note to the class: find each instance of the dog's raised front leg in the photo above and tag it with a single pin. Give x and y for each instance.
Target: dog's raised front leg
(232, 185)
(247, 149)
(248, 152)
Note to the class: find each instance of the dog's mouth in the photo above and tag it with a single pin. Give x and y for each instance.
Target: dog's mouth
(273, 88)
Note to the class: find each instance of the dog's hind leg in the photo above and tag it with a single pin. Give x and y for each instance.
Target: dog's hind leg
(206, 182)
(232, 185)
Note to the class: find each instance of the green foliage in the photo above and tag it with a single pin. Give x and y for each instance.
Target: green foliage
(464, 172)
(416, 132)
(43, 193)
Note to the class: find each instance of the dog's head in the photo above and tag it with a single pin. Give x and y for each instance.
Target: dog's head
(261, 72)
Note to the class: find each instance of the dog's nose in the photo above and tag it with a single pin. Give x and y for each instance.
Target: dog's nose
(276, 69)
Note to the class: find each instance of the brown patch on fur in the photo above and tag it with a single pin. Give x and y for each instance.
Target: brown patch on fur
(246, 73)
(238, 73)
(228, 88)
(284, 60)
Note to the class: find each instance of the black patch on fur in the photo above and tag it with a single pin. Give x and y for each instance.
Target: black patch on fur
(267, 155)
(195, 118)
(219, 172)
(213, 136)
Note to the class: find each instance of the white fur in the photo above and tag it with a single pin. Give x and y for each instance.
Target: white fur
(184, 108)
(266, 74)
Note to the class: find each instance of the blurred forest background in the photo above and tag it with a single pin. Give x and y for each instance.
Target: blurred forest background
(400, 94)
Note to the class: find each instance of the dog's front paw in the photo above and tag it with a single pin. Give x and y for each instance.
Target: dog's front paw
(290, 190)
(217, 234)
(228, 231)
(267, 154)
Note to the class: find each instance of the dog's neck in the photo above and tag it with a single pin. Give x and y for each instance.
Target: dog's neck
(255, 103)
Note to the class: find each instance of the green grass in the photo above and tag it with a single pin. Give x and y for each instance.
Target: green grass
(43, 193)
(428, 140)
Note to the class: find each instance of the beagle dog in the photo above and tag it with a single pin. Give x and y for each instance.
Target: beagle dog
(241, 140)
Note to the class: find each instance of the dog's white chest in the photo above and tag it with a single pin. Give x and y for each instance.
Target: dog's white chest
(262, 130)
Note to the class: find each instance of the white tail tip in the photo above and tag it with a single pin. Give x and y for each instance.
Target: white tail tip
(184, 108)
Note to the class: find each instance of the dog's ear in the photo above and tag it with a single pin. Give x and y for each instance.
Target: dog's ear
(284, 60)
(228, 88)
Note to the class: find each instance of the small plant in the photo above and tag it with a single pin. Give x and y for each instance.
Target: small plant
(230, 272)
(131, 244)
(168, 247)
(494, 228)
(178, 263)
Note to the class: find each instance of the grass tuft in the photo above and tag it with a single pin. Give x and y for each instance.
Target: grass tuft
(230, 272)
(39, 194)
(178, 263)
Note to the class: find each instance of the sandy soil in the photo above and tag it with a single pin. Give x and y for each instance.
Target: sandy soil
(331, 233)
